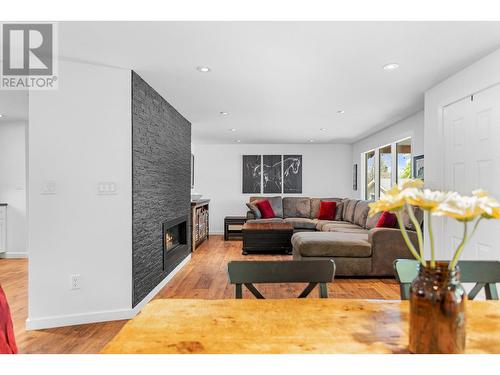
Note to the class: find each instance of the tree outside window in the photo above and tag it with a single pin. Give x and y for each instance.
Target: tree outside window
(370, 175)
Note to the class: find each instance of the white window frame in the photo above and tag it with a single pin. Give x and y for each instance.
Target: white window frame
(377, 171)
(363, 174)
(395, 157)
(394, 166)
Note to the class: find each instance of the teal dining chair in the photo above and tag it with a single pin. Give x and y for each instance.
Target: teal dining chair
(484, 273)
(313, 272)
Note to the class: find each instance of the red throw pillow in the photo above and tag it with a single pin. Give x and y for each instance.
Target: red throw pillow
(265, 209)
(387, 220)
(327, 210)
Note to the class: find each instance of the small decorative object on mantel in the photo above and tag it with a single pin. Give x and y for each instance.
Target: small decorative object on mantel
(437, 299)
(195, 197)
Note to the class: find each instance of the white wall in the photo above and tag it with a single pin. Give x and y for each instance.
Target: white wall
(13, 184)
(478, 76)
(80, 135)
(412, 126)
(218, 175)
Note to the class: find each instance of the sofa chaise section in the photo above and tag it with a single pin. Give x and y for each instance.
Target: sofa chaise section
(355, 254)
(352, 240)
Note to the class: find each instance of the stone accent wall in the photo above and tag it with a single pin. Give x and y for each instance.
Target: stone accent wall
(161, 183)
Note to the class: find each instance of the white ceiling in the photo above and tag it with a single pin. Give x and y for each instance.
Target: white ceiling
(283, 81)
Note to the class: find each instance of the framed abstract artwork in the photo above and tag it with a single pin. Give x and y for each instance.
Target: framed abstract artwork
(252, 166)
(355, 177)
(271, 174)
(418, 167)
(292, 174)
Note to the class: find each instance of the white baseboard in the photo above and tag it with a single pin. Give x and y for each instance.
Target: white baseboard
(14, 255)
(75, 319)
(216, 233)
(101, 316)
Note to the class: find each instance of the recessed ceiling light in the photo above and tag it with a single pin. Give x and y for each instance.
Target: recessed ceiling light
(311, 140)
(391, 66)
(323, 129)
(203, 69)
(224, 113)
(238, 141)
(232, 129)
(341, 112)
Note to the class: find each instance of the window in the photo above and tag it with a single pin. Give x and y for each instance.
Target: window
(370, 175)
(403, 152)
(385, 169)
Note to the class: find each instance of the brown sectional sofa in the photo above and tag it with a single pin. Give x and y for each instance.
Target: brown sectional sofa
(351, 240)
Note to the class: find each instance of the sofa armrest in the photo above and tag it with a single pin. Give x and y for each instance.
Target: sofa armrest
(388, 245)
(250, 215)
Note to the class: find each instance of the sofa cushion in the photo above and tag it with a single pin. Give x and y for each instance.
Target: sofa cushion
(419, 214)
(331, 244)
(320, 223)
(316, 202)
(340, 224)
(361, 213)
(371, 221)
(276, 204)
(345, 201)
(301, 223)
(342, 227)
(297, 207)
(348, 211)
(359, 230)
(255, 210)
(264, 221)
(338, 213)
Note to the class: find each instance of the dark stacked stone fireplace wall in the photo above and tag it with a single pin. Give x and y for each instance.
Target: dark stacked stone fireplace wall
(161, 184)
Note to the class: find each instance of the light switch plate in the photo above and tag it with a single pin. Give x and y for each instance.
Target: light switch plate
(106, 188)
(49, 188)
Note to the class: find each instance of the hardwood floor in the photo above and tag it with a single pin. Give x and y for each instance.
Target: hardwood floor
(204, 277)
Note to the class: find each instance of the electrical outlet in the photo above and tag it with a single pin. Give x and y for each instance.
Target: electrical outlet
(75, 281)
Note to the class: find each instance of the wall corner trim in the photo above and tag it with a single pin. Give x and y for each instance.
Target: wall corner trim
(157, 288)
(101, 316)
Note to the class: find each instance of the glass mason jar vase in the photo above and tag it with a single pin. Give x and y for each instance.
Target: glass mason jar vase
(437, 311)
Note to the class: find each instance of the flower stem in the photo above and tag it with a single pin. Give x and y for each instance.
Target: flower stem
(431, 239)
(407, 239)
(415, 222)
(475, 227)
(459, 249)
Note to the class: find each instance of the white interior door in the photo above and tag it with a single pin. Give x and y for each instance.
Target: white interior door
(472, 160)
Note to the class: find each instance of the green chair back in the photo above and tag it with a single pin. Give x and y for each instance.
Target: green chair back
(484, 273)
(313, 272)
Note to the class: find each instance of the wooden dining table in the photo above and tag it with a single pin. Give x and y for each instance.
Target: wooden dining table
(288, 326)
